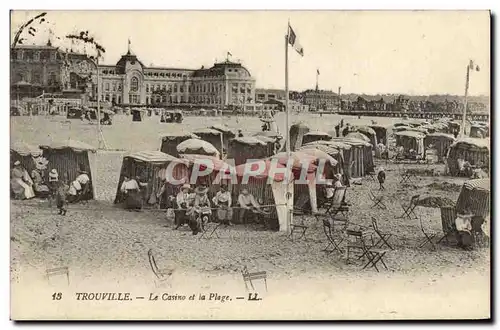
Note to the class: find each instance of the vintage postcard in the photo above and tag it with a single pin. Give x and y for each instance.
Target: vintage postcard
(250, 165)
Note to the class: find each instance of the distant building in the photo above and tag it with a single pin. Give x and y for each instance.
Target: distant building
(320, 100)
(263, 95)
(279, 105)
(39, 69)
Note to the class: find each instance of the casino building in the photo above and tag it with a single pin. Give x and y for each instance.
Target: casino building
(42, 69)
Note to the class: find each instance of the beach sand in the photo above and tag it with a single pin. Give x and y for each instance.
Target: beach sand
(105, 248)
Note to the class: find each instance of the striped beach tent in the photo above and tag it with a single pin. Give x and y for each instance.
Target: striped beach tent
(475, 196)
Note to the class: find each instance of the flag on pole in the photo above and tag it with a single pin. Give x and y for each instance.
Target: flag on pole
(472, 66)
(229, 54)
(317, 71)
(294, 42)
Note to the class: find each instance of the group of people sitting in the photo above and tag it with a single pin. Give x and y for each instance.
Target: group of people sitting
(25, 186)
(194, 207)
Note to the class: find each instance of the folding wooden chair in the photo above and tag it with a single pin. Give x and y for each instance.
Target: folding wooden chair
(377, 200)
(428, 237)
(57, 271)
(336, 204)
(332, 242)
(162, 275)
(209, 229)
(356, 243)
(250, 277)
(299, 211)
(383, 238)
(409, 211)
(405, 175)
(375, 256)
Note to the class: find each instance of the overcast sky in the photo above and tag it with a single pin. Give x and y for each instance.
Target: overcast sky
(364, 52)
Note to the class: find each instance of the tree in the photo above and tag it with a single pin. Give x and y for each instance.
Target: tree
(18, 39)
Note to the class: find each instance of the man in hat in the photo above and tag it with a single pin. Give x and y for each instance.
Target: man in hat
(83, 179)
(201, 206)
(21, 183)
(248, 204)
(182, 200)
(222, 201)
(381, 178)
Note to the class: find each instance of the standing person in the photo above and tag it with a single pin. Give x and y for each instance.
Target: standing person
(131, 191)
(53, 184)
(182, 200)
(222, 201)
(381, 178)
(337, 130)
(61, 192)
(21, 183)
(341, 123)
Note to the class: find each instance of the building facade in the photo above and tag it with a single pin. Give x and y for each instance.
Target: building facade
(320, 100)
(42, 69)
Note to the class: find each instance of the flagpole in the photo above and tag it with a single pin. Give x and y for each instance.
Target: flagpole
(289, 211)
(465, 102)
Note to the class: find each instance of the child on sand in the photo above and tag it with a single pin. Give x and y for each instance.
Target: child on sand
(62, 190)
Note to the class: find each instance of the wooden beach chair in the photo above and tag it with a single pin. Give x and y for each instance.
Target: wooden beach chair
(299, 211)
(57, 271)
(162, 275)
(448, 215)
(409, 210)
(332, 242)
(377, 200)
(250, 277)
(337, 210)
(383, 238)
(361, 242)
(428, 237)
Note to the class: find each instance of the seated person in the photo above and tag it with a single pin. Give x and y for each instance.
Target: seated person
(41, 189)
(21, 183)
(183, 205)
(223, 202)
(201, 208)
(249, 206)
(84, 181)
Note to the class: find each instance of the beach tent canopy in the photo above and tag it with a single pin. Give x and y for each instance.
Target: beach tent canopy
(251, 141)
(329, 149)
(298, 160)
(25, 149)
(297, 132)
(176, 135)
(319, 154)
(197, 146)
(224, 129)
(317, 133)
(68, 144)
(414, 134)
(207, 131)
(475, 197)
(357, 136)
(265, 139)
(69, 156)
(154, 156)
(472, 143)
(171, 140)
(441, 135)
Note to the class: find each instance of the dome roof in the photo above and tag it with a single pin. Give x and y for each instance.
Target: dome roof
(129, 57)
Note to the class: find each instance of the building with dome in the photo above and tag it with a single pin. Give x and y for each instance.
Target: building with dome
(225, 85)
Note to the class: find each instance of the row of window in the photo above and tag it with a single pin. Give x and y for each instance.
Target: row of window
(36, 77)
(165, 74)
(36, 56)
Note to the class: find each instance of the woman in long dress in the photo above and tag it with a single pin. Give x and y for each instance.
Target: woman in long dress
(41, 189)
(131, 191)
(21, 183)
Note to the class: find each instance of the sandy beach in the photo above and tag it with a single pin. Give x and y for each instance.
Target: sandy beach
(105, 247)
